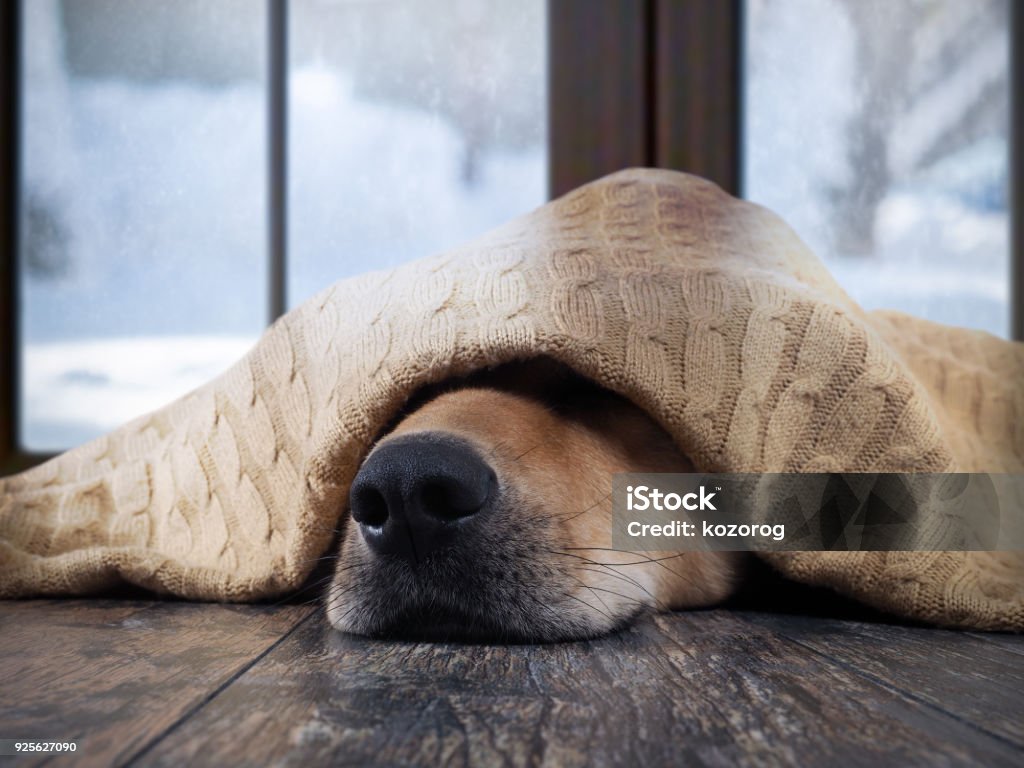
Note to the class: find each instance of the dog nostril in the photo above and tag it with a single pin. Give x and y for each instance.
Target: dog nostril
(453, 498)
(369, 507)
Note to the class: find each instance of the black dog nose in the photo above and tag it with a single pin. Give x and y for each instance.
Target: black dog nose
(420, 492)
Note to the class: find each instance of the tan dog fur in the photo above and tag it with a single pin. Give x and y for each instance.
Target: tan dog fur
(560, 462)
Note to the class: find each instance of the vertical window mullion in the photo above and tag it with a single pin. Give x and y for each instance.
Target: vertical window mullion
(598, 99)
(697, 88)
(1017, 171)
(277, 149)
(10, 54)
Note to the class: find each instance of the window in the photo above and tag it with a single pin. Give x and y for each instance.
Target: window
(225, 150)
(146, 188)
(143, 198)
(410, 131)
(890, 153)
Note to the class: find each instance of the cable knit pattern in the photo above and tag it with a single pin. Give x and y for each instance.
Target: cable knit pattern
(705, 310)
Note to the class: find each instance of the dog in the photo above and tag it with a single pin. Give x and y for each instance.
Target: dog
(483, 513)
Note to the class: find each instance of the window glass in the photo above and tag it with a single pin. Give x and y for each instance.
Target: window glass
(879, 130)
(142, 206)
(412, 128)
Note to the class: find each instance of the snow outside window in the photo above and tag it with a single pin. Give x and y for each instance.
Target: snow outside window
(144, 175)
(879, 130)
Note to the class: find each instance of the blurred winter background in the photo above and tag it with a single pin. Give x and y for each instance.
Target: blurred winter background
(413, 127)
(877, 128)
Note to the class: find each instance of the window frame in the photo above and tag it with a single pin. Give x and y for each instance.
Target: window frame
(11, 458)
(661, 78)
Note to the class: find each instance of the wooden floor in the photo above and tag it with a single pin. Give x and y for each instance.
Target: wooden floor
(164, 683)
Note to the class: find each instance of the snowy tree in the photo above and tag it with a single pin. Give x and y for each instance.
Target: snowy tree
(931, 81)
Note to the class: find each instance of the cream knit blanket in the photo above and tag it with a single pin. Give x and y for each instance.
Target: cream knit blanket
(705, 310)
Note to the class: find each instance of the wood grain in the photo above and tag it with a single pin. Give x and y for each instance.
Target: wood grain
(709, 688)
(115, 675)
(1010, 642)
(975, 680)
(168, 683)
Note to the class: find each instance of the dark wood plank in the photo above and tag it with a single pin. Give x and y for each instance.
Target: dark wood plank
(972, 679)
(115, 674)
(707, 688)
(1011, 643)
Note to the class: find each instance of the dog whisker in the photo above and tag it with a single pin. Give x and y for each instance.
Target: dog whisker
(645, 561)
(599, 598)
(615, 574)
(588, 509)
(617, 594)
(527, 452)
(659, 561)
(591, 607)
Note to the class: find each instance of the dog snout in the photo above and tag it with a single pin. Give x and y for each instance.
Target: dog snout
(418, 493)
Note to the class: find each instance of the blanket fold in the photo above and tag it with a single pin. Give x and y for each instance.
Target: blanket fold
(705, 310)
